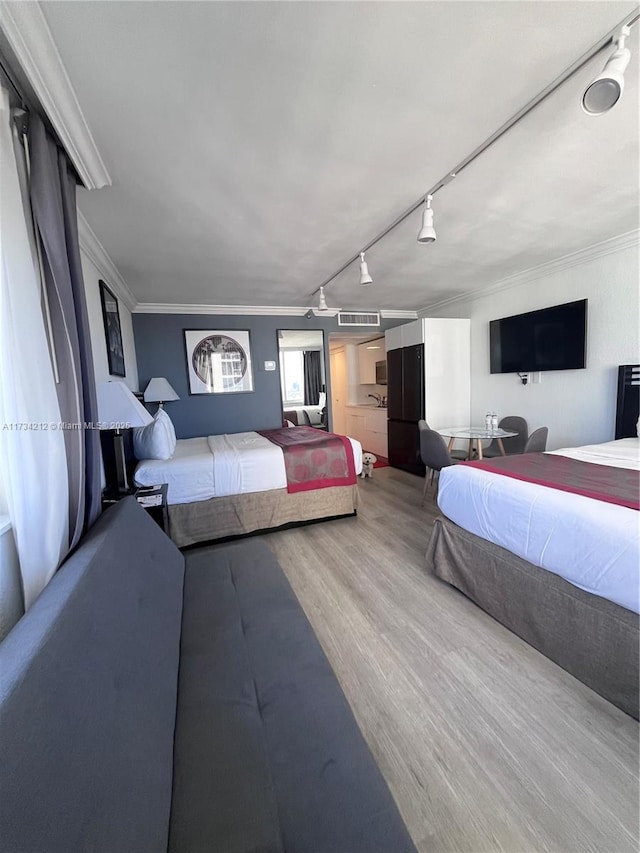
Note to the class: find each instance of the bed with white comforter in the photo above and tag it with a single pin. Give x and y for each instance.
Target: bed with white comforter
(559, 569)
(221, 465)
(592, 544)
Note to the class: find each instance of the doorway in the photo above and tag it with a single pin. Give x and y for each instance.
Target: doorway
(339, 389)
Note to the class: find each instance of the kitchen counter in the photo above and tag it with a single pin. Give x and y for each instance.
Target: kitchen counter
(365, 406)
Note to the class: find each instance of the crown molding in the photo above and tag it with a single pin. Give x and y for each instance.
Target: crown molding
(97, 254)
(30, 39)
(254, 310)
(583, 256)
(240, 310)
(398, 315)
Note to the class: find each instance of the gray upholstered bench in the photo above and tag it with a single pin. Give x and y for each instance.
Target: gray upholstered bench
(149, 705)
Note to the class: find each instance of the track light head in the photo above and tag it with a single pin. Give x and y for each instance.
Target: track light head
(427, 232)
(322, 302)
(365, 278)
(605, 91)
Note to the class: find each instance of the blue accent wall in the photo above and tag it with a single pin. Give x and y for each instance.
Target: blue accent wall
(160, 350)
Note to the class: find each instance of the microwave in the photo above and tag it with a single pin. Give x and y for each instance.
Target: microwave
(381, 372)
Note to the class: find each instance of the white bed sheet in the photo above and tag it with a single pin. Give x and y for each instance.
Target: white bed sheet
(189, 472)
(592, 544)
(221, 465)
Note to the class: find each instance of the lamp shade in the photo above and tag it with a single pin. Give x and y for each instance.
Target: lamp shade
(118, 408)
(159, 391)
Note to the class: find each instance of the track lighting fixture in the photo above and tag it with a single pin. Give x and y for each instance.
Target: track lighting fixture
(427, 232)
(605, 91)
(365, 278)
(601, 95)
(322, 302)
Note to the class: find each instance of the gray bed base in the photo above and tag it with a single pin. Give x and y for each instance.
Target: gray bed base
(595, 640)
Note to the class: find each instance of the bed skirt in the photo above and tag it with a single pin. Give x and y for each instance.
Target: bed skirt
(237, 515)
(592, 638)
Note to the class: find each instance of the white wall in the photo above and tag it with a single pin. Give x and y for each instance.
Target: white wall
(98, 342)
(578, 406)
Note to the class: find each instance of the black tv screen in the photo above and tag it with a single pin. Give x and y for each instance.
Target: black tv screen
(550, 339)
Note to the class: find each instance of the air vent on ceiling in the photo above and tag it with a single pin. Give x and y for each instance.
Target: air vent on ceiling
(352, 318)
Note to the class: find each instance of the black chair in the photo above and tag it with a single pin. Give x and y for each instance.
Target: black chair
(514, 444)
(434, 454)
(455, 454)
(537, 441)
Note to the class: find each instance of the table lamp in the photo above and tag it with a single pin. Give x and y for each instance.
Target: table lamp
(118, 410)
(159, 391)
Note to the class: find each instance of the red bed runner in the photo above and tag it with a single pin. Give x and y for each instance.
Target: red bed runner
(313, 458)
(601, 482)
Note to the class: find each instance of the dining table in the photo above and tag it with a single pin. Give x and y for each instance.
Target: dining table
(477, 434)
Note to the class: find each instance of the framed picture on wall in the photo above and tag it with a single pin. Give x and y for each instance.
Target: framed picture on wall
(112, 331)
(218, 362)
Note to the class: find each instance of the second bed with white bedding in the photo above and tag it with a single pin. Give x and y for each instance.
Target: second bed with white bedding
(592, 544)
(222, 465)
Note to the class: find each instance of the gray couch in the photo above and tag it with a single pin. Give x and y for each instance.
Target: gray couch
(148, 704)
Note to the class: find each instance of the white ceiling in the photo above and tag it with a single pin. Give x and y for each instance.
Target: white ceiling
(254, 147)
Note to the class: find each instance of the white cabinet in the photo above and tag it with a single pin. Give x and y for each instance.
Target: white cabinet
(404, 336)
(368, 355)
(355, 423)
(447, 361)
(368, 424)
(447, 368)
(393, 338)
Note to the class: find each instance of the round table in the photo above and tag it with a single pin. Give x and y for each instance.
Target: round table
(477, 434)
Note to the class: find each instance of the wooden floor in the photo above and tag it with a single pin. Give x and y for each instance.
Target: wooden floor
(485, 744)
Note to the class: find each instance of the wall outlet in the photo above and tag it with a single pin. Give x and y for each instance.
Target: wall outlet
(269, 365)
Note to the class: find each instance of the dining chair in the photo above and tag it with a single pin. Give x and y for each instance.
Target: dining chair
(458, 455)
(514, 444)
(435, 456)
(537, 441)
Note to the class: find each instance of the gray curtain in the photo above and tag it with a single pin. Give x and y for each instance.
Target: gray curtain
(312, 377)
(52, 188)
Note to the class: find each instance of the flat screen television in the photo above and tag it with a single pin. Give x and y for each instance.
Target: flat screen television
(550, 339)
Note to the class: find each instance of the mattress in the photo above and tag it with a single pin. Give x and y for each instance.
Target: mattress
(592, 544)
(221, 465)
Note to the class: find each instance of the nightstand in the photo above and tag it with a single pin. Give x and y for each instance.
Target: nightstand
(153, 499)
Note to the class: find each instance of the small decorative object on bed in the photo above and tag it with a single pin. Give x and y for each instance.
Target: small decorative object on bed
(112, 331)
(218, 362)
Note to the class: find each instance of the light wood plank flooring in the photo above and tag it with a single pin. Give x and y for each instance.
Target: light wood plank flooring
(485, 744)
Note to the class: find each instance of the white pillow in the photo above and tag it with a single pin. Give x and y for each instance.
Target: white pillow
(157, 440)
(170, 429)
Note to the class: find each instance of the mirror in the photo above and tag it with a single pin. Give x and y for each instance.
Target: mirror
(302, 377)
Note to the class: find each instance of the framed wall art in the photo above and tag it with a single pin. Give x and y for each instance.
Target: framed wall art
(218, 362)
(112, 331)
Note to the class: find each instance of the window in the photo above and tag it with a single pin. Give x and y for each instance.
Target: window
(292, 377)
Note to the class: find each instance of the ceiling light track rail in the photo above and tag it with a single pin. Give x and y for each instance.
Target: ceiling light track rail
(576, 66)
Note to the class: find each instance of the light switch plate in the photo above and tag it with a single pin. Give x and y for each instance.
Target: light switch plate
(269, 365)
